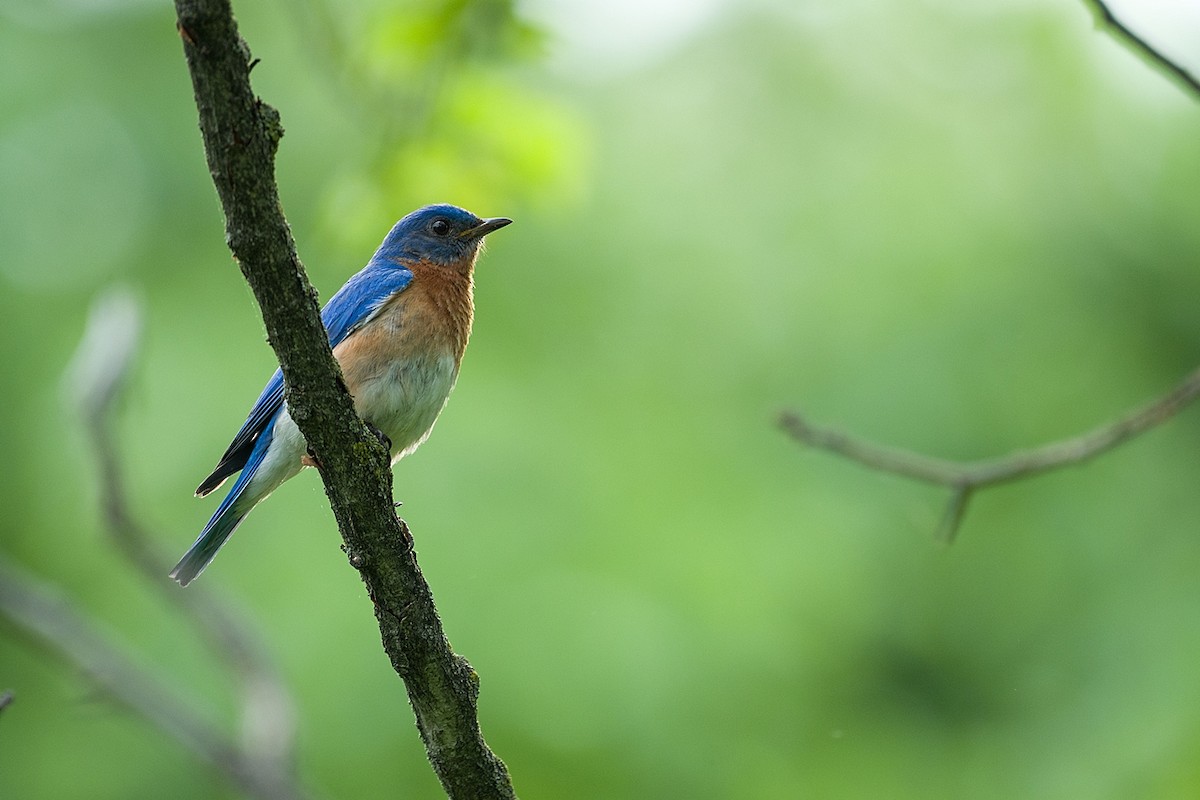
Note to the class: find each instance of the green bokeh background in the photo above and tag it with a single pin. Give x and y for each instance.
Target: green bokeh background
(960, 229)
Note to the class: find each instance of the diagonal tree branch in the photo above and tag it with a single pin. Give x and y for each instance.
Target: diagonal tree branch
(1144, 48)
(48, 618)
(97, 374)
(965, 477)
(241, 134)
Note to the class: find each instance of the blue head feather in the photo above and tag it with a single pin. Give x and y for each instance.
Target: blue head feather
(443, 234)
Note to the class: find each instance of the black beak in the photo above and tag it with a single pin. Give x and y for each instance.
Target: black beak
(485, 227)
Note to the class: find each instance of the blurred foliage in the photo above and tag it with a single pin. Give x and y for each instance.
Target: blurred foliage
(432, 90)
(962, 229)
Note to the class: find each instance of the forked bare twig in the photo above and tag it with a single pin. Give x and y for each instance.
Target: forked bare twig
(966, 477)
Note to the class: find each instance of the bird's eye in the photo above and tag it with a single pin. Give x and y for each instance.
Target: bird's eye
(440, 227)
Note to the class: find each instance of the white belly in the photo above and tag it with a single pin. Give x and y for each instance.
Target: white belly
(282, 461)
(405, 399)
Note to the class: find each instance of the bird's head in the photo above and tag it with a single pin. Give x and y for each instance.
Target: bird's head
(443, 234)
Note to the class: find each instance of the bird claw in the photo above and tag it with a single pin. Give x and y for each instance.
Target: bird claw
(309, 459)
(381, 436)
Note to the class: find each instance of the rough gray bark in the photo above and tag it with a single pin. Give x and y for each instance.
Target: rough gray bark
(241, 134)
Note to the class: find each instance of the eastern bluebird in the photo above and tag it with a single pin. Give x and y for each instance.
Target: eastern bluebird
(398, 328)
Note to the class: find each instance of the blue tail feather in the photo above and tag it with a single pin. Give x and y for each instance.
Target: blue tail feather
(225, 519)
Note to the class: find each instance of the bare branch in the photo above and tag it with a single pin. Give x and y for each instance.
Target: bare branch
(94, 380)
(1144, 48)
(965, 477)
(241, 134)
(40, 612)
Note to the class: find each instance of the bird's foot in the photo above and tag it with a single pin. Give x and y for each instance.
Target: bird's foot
(381, 436)
(309, 459)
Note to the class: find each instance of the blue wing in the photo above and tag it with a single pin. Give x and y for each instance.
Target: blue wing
(227, 517)
(360, 298)
(345, 312)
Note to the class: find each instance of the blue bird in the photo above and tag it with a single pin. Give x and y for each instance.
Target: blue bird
(399, 329)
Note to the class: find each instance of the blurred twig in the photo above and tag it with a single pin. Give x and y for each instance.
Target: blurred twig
(241, 134)
(966, 477)
(97, 374)
(39, 611)
(1140, 45)
(6, 699)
